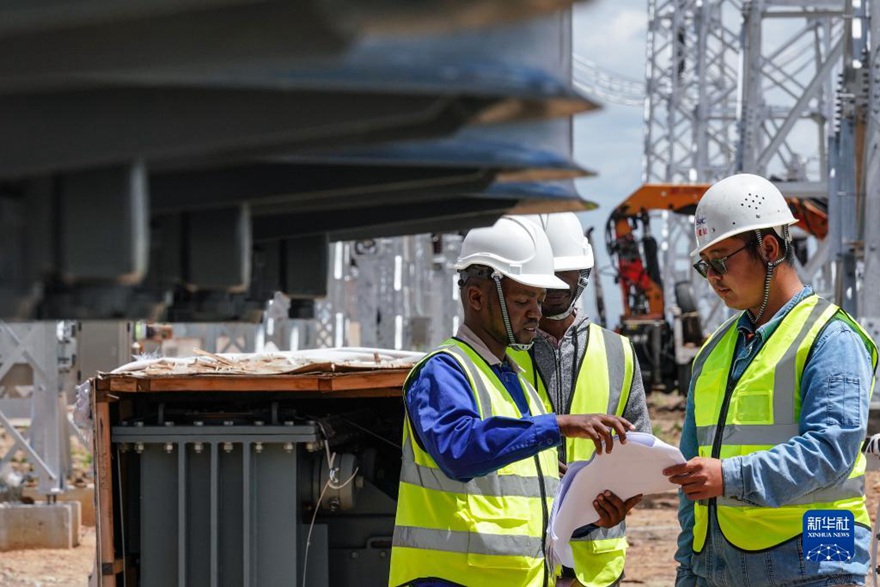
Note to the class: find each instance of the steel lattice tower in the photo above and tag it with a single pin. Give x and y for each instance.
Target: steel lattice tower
(746, 86)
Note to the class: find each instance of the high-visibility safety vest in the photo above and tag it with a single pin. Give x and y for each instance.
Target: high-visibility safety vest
(604, 380)
(489, 531)
(762, 410)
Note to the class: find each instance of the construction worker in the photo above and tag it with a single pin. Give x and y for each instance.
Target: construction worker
(479, 465)
(584, 368)
(777, 409)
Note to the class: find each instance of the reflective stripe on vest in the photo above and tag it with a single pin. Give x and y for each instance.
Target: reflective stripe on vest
(447, 541)
(764, 411)
(603, 384)
(493, 524)
(491, 484)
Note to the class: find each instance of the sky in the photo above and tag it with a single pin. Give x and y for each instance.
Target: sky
(608, 142)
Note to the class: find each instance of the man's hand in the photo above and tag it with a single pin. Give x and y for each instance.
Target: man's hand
(700, 478)
(596, 427)
(563, 469)
(612, 510)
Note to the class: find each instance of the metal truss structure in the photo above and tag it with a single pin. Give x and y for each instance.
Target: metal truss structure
(395, 293)
(752, 86)
(33, 380)
(868, 300)
(605, 85)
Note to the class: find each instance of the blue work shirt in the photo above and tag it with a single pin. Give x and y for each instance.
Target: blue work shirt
(444, 416)
(834, 413)
(443, 413)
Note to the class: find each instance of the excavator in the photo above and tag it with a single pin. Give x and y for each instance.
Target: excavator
(666, 348)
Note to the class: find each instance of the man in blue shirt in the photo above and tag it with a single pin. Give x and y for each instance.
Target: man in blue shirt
(479, 443)
(777, 408)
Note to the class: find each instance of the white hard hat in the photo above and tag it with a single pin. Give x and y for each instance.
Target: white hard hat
(514, 247)
(571, 249)
(737, 204)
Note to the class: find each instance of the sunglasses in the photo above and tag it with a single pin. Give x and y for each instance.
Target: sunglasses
(718, 265)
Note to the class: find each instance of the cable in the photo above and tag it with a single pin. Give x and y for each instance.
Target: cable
(332, 483)
(370, 432)
(309, 535)
(607, 85)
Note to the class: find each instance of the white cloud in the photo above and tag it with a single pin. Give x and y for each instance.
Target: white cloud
(612, 34)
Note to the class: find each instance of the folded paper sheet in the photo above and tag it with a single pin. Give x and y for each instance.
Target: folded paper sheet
(630, 469)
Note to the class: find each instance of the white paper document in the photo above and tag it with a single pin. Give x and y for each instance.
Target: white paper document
(630, 469)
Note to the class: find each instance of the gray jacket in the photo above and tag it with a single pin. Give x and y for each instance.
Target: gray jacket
(559, 367)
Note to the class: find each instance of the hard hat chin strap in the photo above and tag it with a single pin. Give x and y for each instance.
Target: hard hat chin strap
(583, 280)
(511, 341)
(768, 276)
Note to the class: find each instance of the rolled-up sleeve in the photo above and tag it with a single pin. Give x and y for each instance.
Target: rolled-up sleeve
(444, 416)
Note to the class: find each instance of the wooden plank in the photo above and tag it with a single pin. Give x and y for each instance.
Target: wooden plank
(361, 393)
(234, 383)
(376, 379)
(104, 492)
(117, 383)
(102, 383)
(320, 382)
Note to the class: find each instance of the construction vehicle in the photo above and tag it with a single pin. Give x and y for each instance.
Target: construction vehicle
(667, 333)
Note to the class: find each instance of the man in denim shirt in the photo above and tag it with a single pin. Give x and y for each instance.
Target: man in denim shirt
(777, 408)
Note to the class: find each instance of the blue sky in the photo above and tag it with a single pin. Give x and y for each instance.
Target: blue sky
(610, 33)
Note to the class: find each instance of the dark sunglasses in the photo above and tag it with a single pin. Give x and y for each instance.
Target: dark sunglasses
(718, 265)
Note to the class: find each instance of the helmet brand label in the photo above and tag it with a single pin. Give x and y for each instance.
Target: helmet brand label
(701, 228)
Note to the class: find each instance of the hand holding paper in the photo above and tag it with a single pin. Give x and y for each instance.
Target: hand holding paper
(599, 428)
(630, 469)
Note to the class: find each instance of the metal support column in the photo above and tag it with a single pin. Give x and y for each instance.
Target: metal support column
(35, 345)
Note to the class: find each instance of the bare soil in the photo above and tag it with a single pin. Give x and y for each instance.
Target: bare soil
(652, 527)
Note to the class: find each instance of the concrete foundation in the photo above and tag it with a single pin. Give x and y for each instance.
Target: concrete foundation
(25, 526)
(84, 495)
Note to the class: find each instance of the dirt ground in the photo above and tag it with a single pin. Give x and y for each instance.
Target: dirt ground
(652, 529)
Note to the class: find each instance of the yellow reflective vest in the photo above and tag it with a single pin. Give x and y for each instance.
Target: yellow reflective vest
(488, 531)
(762, 410)
(603, 383)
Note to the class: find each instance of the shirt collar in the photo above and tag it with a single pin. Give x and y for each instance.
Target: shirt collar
(574, 327)
(745, 326)
(465, 334)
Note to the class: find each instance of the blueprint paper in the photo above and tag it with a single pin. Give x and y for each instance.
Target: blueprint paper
(630, 469)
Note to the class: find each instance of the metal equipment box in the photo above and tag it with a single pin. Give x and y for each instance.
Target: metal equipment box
(224, 477)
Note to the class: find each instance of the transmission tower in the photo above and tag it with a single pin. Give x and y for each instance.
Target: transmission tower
(743, 86)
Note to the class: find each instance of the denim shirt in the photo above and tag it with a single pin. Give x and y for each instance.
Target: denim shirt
(835, 393)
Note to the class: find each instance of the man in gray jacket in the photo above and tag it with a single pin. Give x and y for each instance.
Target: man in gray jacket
(584, 368)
